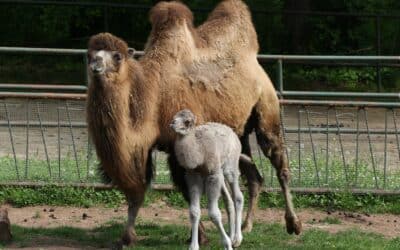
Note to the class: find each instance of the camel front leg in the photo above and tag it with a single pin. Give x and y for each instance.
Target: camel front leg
(129, 237)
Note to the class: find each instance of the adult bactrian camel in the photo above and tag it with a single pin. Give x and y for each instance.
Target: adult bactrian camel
(211, 70)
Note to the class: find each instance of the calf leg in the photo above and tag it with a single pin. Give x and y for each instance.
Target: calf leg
(230, 208)
(178, 177)
(195, 186)
(232, 177)
(213, 189)
(238, 200)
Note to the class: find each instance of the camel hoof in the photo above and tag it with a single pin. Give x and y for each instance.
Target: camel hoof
(293, 225)
(247, 227)
(117, 245)
(128, 239)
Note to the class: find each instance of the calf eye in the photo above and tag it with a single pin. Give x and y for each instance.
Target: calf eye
(187, 123)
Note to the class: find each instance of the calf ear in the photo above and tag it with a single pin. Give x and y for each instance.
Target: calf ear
(131, 52)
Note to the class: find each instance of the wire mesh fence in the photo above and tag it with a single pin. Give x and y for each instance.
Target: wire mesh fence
(335, 145)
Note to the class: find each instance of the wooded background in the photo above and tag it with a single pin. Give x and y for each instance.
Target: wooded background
(329, 27)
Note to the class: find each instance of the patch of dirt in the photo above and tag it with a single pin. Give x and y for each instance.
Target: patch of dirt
(387, 225)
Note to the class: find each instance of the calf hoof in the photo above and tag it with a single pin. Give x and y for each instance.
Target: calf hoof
(247, 227)
(293, 225)
(236, 243)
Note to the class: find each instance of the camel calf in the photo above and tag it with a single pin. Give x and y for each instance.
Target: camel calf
(210, 153)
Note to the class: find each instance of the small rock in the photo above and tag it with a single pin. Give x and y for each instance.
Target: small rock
(25, 220)
(44, 210)
(340, 213)
(156, 214)
(367, 214)
(395, 221)
(313, 219)
(51, 210)
(52, 216)
(115, 210)
(388, 221)
(85, 216)
(370, 223)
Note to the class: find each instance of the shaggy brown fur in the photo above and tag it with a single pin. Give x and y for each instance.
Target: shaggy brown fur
(117, 119)
(211, 70)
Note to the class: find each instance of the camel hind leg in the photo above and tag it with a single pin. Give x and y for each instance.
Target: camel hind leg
(250, 171)
(269, 138)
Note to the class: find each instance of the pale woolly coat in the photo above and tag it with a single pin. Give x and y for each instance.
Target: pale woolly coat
(208, 147)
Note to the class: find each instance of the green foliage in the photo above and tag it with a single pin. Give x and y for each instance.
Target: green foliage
(70, 26)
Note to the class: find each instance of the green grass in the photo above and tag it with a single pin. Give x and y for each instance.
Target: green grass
(154, 236)
(335, 175)
(87, 197)
(359, 175)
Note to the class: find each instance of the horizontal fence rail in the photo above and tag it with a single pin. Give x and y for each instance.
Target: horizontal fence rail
(280, 59)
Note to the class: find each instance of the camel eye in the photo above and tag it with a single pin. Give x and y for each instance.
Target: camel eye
(117, 57)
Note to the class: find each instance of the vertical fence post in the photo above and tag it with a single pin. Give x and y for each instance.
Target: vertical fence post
(85, 62)
(378, 52)
(280, 76)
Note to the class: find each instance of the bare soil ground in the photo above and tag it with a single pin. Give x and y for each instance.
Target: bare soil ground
(387, 225)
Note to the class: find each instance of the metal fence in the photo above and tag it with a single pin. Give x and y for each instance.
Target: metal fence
(331, 144)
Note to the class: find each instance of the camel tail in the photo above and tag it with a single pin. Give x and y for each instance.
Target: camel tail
(246, 159)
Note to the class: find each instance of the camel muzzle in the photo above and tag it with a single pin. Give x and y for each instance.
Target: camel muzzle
(96, 66)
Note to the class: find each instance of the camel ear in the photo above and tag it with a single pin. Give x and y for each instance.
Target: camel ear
(131, 52)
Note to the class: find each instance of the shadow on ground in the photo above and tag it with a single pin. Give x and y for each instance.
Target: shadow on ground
(153, 236)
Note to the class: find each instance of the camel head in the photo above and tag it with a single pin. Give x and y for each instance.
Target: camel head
(183, 122)
(106, 54)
